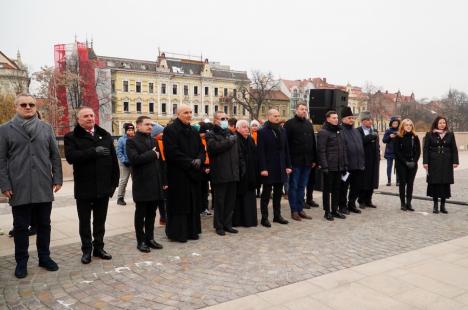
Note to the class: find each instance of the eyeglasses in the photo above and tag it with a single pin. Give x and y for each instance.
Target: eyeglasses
(223, 118)
(25, 105)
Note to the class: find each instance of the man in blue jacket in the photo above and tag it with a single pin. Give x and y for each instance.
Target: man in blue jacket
(388, 138)
(124, 163)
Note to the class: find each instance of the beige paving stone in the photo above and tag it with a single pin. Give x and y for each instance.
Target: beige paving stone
(432, 285)
(385, 284)
(376, 267)
(253, 302)
(445, 272)
(306, 303)
(290, 292)
(335, 279)
(423, 299)
(357, 296)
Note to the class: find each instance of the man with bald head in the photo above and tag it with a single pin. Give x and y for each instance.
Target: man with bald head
(274, 164)
(90, 149)
(185, 155)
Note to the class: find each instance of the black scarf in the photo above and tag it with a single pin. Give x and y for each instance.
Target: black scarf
(277, 133)
(331, 127)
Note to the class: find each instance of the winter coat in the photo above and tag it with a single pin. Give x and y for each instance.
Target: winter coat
(121, 150)
(301, 141)
(371, 144)
(331, 146)
(147, 168)
(94, 176)
(29, 166)
(273, 154)
(354, 147)
(407, 149)
(389, 143)
(440, 155)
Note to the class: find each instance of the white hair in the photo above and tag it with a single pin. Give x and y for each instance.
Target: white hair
(242, 122)
(254, 122)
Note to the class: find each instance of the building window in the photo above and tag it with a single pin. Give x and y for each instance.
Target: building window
(163, 89)
(195, 109)
(151, 88)
(125, 86)
(216, 108)
(151, 107)
(174, 108)
(163, 108)
(125, 106)
(138, 87)
(234, 110)
(174, 89)
(234, 93)
(283, 112)
(113, 86)
(225, 92)
(216, 91)
(195, 90)
(207, 90)
(138, 107)
(243, 111)
(226, 109)
(206, 109)
(185, 90)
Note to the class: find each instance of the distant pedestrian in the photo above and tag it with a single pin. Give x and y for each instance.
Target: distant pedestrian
(124, 164)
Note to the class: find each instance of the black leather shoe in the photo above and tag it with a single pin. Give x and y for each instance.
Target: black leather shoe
(143, 247)
(338, 215)
(362, 206)
(86, 258)
(121, 202)
(312, 203)
(306, 206)
(409, 207)
(403, 207)
(344, 211)
(220, 232)
(48, 264)
(280, 220)
(102, 254)
(154, 245)
(231, 230)
(21, 270)
(354, 210)
(194, 237)
(371, 205)
(265, 223)
(328, 217)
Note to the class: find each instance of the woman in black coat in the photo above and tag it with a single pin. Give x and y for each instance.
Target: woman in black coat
(407, 150)
(245, 210)
(440, 157)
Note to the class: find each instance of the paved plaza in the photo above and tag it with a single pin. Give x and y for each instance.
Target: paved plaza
(380, 259)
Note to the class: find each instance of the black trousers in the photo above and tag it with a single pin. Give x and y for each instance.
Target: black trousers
(265, 199)
(98, 208)
(310, 186)
(365, 196)
(224, 200)
(145, 214)
(349, 190)
(407, 177)
(21, 221)
(331, 187)
(205, 189)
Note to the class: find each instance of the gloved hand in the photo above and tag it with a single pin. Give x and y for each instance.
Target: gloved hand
(102, 151)
(196, 163)
(410, 164)
(325, 170)
(232, 137)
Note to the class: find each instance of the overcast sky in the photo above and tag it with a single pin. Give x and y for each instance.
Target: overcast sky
(419, 46)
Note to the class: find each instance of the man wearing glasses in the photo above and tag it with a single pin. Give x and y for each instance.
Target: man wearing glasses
(28, 148)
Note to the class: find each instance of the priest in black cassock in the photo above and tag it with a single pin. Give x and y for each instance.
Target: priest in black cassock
(184, 154)
(245, 210)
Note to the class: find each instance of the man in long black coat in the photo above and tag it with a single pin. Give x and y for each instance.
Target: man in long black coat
(274, 164)
(370, 177)
(90, 149)
(184, 154)
(148, 182)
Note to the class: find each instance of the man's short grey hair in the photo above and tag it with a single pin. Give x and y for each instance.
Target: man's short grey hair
(215, 115)
(23, 95)
(242, 122)
(271, 111)
(81, 108)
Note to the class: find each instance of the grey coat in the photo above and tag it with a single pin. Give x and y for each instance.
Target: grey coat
(29, 166)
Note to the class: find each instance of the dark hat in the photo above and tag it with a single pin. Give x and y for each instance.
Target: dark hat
(128, 126)
(365, 115)
(346, 111)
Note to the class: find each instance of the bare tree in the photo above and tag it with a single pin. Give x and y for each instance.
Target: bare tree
(253, 94)
(7, 108)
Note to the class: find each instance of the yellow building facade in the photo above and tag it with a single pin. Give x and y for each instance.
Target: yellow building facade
(157, 88)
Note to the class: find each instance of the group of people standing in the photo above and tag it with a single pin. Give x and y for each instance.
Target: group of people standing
(171, 168)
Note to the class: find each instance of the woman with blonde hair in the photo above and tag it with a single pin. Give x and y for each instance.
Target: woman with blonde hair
(407, 150)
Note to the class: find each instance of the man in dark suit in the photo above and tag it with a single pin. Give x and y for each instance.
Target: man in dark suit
(370, 176)
(90, 149)
(148, 182)
(274, 164)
